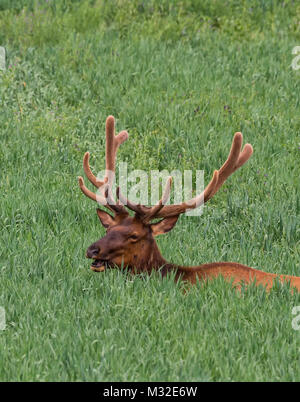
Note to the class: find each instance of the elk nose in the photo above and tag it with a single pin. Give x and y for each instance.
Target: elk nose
(92, 252)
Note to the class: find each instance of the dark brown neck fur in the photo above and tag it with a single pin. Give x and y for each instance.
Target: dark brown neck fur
(153, 260)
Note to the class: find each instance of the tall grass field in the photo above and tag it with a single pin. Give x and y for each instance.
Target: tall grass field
(182, 77)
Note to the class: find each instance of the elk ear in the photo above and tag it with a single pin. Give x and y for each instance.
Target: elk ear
(106, 219)
(164, 226)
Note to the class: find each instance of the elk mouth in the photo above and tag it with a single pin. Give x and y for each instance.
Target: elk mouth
(98, 265)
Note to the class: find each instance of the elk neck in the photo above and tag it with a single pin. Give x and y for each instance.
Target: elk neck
(152, 259)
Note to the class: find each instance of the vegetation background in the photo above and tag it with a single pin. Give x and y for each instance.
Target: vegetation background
(181, 77)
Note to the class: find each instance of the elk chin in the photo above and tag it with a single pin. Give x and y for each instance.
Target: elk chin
(98, 265)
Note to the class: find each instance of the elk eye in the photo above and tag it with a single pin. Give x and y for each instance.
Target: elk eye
(133, 237)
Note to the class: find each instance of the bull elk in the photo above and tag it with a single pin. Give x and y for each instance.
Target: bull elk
(130, 240)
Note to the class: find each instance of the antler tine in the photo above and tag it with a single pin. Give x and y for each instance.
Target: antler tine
(112, 144)
(89, 174)
(165, 196)
(96, 197)
(85, 190)
(147, 213)
(138, 208)
(235, 160)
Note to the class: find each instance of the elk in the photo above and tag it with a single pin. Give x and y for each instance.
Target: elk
(130, 240)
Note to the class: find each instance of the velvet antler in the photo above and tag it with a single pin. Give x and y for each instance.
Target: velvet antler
(235, 160)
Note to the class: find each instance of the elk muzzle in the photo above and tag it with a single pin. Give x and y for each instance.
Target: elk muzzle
(98, 264)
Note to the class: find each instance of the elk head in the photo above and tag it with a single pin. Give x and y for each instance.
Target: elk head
(130, 240)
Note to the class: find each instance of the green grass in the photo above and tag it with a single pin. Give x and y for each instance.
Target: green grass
(166, 72)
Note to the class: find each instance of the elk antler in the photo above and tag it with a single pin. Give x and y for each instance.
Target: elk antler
(235, 160)
(112, 144)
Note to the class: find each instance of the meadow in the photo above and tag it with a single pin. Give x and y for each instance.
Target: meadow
(182, 77)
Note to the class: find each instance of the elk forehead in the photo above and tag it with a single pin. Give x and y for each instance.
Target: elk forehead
(130, 225)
